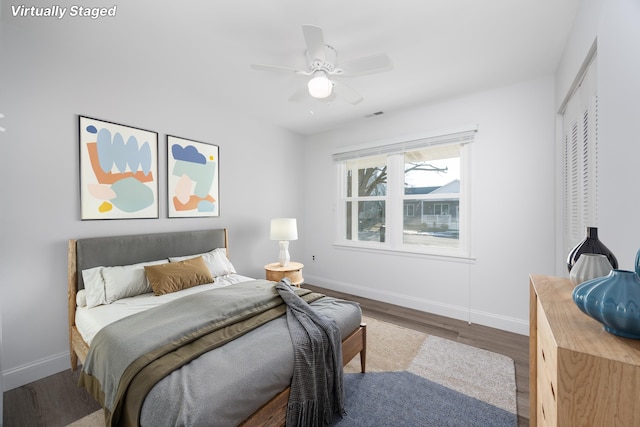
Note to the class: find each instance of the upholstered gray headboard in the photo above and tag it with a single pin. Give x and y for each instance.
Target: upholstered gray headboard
(132, 249)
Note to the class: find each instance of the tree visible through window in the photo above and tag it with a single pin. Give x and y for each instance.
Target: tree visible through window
(370, 185)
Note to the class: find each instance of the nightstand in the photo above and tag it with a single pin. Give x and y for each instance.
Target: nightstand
(275, 272)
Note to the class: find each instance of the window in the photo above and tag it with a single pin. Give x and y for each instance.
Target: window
(406, 196)
(432, 182)
(409, 209)
(366, 189)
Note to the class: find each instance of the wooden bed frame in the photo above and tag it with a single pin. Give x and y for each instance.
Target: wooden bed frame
(272, 413)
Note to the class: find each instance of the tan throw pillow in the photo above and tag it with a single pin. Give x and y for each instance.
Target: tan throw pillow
(175, 276)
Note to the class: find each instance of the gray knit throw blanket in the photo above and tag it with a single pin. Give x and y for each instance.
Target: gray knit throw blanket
(317, 391)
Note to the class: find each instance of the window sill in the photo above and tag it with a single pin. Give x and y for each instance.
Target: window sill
(404, 252)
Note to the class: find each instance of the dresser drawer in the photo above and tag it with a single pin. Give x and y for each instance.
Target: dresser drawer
(547, 406)
(547, 369)
(547, 348)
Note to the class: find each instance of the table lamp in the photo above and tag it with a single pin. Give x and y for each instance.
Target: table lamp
(284, 229)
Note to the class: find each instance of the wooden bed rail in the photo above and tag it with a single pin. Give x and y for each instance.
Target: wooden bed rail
(72, 285)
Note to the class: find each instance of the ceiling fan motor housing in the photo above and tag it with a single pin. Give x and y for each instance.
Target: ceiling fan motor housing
(329, 63)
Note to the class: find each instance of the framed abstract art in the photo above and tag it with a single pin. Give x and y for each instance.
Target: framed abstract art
(118, 171)
(192, 178)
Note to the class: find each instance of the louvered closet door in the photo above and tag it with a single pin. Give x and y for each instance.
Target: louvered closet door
(580, 163)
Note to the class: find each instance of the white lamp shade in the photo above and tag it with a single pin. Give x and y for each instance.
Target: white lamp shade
(284, 229)
(320, 86)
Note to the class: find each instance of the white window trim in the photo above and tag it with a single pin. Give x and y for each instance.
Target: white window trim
(386, 146)
(364, 247)
(393, 241)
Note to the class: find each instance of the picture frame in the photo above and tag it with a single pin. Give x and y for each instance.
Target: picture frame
(118, 171)
(193, 186)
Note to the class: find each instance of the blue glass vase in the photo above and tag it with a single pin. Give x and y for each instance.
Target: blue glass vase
(612, 300)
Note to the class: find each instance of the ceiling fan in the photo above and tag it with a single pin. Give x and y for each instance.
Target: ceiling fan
(323, 70)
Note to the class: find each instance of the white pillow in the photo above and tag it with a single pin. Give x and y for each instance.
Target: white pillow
(81, 298)
(216, 260)
(127, 280)
(94, 286)
(104, 285)
(227, 267)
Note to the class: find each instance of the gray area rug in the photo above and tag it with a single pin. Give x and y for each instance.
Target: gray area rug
(382, 399)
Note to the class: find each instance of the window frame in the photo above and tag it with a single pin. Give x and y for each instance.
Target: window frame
(395, 197)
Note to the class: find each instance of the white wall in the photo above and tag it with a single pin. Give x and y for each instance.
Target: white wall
(49, 78)
(619, 145)
(615, 24)
(512, 222)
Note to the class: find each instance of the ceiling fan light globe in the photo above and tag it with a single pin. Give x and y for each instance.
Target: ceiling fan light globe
(320, 87)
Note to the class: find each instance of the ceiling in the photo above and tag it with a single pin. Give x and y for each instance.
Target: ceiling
(439, 49)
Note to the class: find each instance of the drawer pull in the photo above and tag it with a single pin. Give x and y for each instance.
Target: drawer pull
(542, 410)
(542, 351)
(553, 392)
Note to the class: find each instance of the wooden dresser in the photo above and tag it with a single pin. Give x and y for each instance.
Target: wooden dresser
(579, 374)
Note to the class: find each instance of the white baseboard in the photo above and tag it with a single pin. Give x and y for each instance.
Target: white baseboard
(24, 374)
(492, 320)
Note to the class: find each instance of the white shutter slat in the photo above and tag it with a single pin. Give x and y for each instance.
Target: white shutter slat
(580, 166)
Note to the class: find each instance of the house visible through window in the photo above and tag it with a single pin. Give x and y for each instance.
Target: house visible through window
(432, 184)
(406, 196)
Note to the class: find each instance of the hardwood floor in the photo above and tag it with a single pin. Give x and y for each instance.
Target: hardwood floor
(57, 400)
(54, 401)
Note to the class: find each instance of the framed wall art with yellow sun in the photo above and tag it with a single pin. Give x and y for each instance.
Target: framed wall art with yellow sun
(192, 178)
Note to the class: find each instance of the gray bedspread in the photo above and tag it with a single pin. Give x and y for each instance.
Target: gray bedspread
(224, 386)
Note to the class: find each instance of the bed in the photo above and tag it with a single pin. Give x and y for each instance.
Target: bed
(244, 381)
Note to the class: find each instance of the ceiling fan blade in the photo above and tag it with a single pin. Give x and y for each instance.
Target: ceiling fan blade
(278, 69)
(368, 65)
(346, 92)
(330, 98)
(314, 39)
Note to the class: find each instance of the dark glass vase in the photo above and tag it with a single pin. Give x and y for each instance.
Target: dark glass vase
(590, 245)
